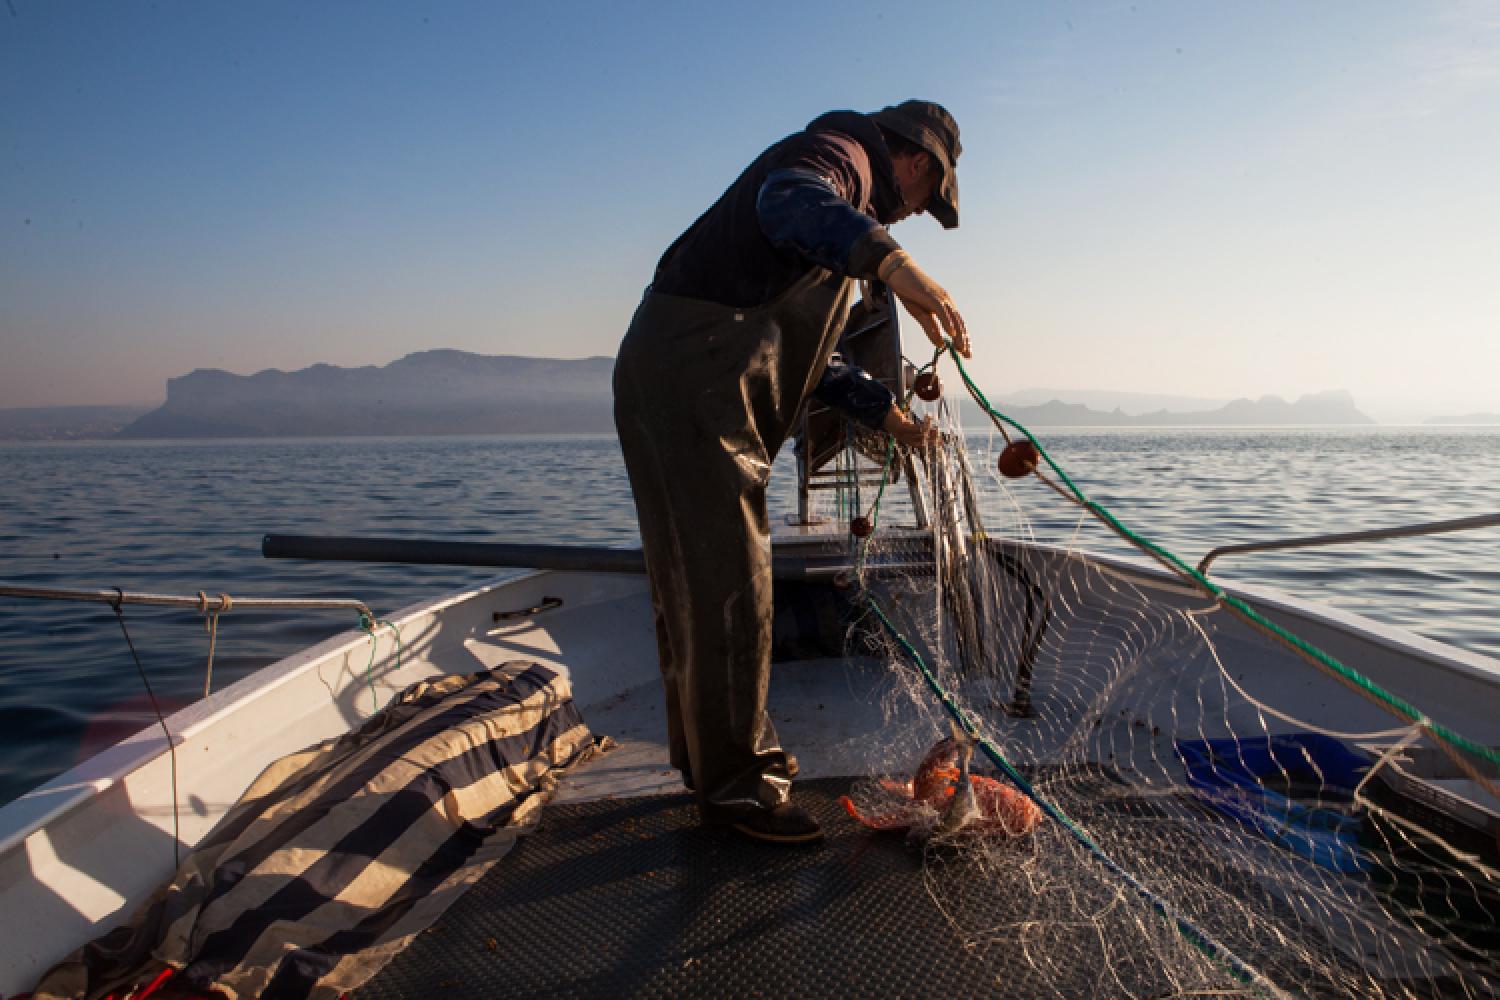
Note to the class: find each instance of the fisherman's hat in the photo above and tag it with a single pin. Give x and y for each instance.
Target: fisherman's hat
(930, 126)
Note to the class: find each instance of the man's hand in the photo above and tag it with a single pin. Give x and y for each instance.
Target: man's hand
(932, 307)
(910, 433)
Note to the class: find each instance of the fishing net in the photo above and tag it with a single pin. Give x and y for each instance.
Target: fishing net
(1220, 808)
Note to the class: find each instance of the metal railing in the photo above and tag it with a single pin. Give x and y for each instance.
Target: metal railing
(211, 607)
(1342, 538)
(202, 603)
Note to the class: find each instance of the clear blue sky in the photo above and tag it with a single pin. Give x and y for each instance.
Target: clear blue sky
(1214, 199)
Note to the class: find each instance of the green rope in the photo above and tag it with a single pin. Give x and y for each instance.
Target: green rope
(1241, 970)
(885, 469)
(1398, 706)
(368, 623)
(1237, 966)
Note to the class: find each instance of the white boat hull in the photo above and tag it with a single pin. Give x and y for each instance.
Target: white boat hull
(80, 853)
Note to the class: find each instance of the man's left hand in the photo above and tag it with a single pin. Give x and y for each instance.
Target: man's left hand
(908, 432)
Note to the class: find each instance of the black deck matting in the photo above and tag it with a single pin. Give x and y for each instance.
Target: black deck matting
(632, 898)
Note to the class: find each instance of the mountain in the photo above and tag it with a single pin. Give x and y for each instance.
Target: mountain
(1109, 399)
(430, 392)
(65, 423)
(455, 392)
(1335, 407)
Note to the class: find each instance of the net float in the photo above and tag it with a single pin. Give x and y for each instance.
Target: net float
(861, 527)
(928, 387)
(1019, 458)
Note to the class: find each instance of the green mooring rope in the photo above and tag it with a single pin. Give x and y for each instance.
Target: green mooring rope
(1240, 969)
(1207, 945)
(1380, 695)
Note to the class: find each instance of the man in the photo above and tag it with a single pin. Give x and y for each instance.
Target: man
(734, 334)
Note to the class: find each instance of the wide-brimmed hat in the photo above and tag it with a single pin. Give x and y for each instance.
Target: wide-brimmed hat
(930, 126)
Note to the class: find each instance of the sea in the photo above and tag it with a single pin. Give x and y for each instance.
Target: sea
(188, 516)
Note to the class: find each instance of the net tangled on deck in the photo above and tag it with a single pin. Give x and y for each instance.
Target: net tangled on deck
(1223, 813)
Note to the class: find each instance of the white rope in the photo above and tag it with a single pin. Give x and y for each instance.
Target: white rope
(1274, 713)
(211, 625)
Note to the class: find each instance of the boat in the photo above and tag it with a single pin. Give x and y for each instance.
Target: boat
(1174, 730)
(83, 851)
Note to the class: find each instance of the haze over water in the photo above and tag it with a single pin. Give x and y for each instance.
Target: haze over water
(183, 517)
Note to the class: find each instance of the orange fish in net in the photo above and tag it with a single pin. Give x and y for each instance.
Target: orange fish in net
(917, 805)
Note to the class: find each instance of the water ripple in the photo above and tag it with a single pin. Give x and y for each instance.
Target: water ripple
(171, 516)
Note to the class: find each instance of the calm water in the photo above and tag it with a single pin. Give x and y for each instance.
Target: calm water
(183, 517)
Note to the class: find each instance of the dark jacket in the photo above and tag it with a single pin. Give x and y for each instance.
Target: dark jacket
(815, 199)
(728, 256)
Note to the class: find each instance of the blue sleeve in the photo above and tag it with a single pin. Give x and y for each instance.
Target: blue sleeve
(852, 390)
(801, 210)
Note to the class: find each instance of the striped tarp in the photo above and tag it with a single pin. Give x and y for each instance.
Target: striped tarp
(338, 855)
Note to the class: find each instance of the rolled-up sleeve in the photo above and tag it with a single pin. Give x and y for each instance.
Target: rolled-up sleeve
(851, 390)
(801, 210)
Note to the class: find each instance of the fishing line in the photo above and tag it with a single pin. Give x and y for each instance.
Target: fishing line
(1448, 740)
(1238, 968)
(1134, 645)
(1200, 939)
(117, 605)
(1189, 930)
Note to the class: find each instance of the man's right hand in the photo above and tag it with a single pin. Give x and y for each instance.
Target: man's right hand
(933, 308)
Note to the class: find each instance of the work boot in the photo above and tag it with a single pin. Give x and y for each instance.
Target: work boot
(785, 824)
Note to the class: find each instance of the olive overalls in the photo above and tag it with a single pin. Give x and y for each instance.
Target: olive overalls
(705, 396)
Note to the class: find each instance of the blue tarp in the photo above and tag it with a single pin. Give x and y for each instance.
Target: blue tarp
(1294, 789)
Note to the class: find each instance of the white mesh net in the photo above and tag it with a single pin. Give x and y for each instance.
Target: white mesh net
(1214, 813)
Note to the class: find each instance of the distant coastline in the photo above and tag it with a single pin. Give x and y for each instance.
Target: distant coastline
(1336, 408)
(1468, 419)
(67, 423)
(449, 392)
(434, 392)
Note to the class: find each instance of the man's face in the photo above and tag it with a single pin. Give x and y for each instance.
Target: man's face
(919, 178)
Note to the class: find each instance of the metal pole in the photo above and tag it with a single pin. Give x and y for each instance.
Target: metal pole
(218, 603)
(563, 558)
(1307, 541)
(566, 558)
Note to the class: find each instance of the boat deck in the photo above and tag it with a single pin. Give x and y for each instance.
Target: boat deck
(827, 712)
(632, 898)
(621, 893)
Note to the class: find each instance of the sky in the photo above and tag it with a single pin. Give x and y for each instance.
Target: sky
(1210, 199)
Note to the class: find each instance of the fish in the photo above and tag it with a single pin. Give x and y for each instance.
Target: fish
(944, 799)
(963, 804)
